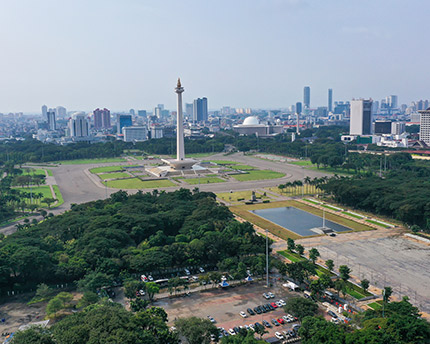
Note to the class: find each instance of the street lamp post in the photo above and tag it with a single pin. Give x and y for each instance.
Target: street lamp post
(106, 187)
(267, 259)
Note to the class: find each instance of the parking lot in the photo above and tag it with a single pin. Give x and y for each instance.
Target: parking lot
(224, 305)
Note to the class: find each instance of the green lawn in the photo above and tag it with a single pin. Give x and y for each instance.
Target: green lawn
(310, 201)
(59, 195)
(114, 175)
(328, 207)
(49, 173)
(375, 305)
(33, 171)
(355, 291)
(198, 155)
(106, 169)
(308, 165)
(203, 180)
(258, 175)
(44, 190)
(89, 161)
(378, 223)
(352, 215)
(136, 183)
(243, 167)
(293, 257)
(234, 196)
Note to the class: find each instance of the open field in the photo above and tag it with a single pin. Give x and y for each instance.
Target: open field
(375, 305)
(293, 257)
(33, 171)
(235, 196)
(308, 165)
(44, 190)
(59, 195)
(89, 161)
(258, 175)
(136, 183)
(203, 180)
(106, 169)
(114, 175)
(224, 162)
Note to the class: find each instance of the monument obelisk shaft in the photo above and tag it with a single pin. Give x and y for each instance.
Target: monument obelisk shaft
(180, 152)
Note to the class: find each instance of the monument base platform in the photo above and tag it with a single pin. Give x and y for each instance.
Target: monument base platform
(180, 165)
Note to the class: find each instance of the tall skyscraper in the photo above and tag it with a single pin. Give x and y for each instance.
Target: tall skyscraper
(330, 100)
(141, 113)
(61, 111)
(157, 111)
(45, 112)
(299, 108)
(425, 125)
(361, 117)
(79, 126)
(52, 122)
(189, 110)
(307, 97)
(101, 119)
(200, 110)
(123, 121)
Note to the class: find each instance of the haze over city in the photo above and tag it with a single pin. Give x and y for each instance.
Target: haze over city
(128, 54)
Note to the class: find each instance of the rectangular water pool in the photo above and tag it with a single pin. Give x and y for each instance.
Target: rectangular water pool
(297, 221)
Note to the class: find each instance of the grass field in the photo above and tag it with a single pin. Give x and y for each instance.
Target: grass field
(377, 223)
(203, 180)
(258, 175)
(59, 195)
(352, 215)
(44, 190)
(293, 257)
(49, 173)
(114, 175)
(243, 167)
(89, 161)
(234, 196)
(33, 171)
(106, 169)
(136, 183)
(329, 207)
(355, 291)
(308, 165)
(376, 305)
(224, 162)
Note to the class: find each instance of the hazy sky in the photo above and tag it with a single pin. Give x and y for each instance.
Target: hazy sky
(124, 54)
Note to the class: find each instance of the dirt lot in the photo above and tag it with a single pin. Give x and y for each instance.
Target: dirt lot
(224, 306)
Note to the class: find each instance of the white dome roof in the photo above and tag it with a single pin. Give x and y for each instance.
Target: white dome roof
(251, 120)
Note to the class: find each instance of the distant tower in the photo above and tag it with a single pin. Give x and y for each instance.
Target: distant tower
(44, 112)
(52, 122)
(298, 123)
(180, 153)
(299, 108)
(361, 117)
(425, 125)
(307, 97)
(330, 100)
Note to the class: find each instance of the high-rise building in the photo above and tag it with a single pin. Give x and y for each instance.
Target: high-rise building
(141, 113)
(398, 128)
(79, 126)
(52, 122)
(132, 112)
(61, 111)
(361, 117)
(382, 127)
(330, 100)
(307, 97)
(299, 108)
(157, 111)
(101, 119)
(189, 110)
(200, 110)
(45, 112)
(123, 121)
(156, 132)
(425, 125)
(135, 134)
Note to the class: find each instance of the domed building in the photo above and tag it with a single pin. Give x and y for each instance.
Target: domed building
(251, 126)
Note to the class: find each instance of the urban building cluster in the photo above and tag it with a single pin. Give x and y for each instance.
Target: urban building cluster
(381, 122)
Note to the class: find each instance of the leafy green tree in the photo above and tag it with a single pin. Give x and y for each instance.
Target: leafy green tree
(344, 272)
(54, 306)
(300, 249)
(93, 281)
(326, 281)
(131, 286)
(43, 291)
(261, 331)
(48, 201)
(196, 330)
(152, 288)
(300, 307)
(291, 244)
(317, 287)
(316, 330)
(387, 292)
(33, 335)
(138, 305)
(88, 298)
(340, 286)
(365, 284)
(330, 264)
(313, 254)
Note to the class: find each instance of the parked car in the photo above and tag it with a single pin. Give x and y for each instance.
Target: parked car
(201, 270)
(258, 325)
(250, 311)
(243, 314)
(281, 321)
(271, 295)
(231, 332)
(252, 326)
(282, 302)
(278, 335)
(187, 272)
(236, 329)
(212, 320)
(257, 310)
(274, 322)
(150, 278)
(274, 305)
(143, 278)
(266, 296)
(271, 308)
(333, 314)
(266, 323)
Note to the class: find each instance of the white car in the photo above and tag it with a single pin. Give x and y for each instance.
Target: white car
(282, 302)
(278, 335)
(150, 278)
(266, 296)
(187, 272)
(201, 270)
(212, 320)
(231, 332)
(243, 314)
(142, 292)
(278, 304)
(144, 278)
(252, 326)
(271, 295)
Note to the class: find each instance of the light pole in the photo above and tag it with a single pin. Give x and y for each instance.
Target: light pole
(106, 187)
(267, 259)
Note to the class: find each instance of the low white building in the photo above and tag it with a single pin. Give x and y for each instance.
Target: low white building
(135, 134)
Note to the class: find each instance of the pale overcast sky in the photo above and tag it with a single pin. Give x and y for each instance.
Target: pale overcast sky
(124, 54)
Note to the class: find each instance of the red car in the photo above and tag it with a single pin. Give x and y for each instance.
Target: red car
(281, 321)
(274, 305)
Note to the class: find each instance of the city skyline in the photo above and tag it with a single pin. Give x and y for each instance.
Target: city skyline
(257, 54)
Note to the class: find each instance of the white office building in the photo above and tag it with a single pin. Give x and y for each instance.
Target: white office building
(135, 134)
(156, 133)
(79, 126)
(425, 126)
(398, 128)
(361, 117)
(52, 122)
